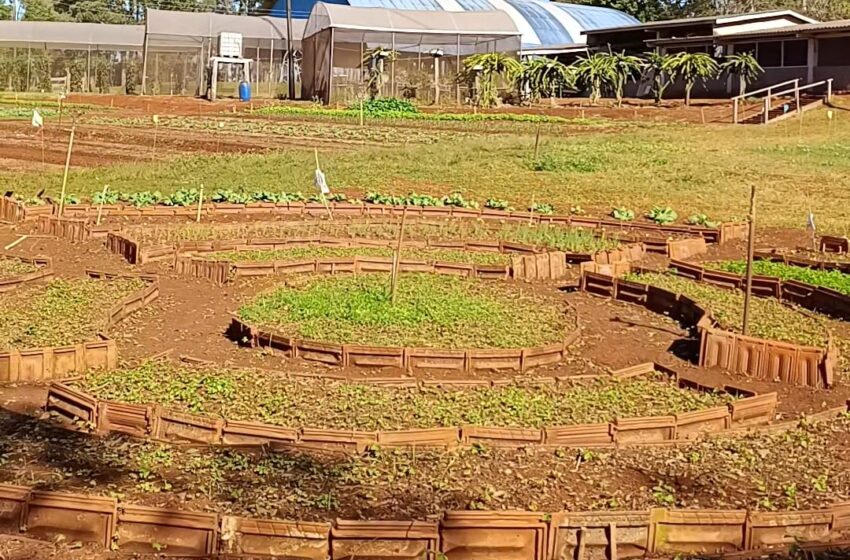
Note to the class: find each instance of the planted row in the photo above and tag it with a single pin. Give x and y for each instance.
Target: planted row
(770, 318)
(800, 469)
(302, 253)
(59, 313)
(271, 397)
(832, 279)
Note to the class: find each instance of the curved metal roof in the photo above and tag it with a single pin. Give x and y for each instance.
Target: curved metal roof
(541, 22)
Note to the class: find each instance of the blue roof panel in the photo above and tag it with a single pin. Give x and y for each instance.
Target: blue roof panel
(476, 5)
(548, 28)
(397, 4)
(594, 17)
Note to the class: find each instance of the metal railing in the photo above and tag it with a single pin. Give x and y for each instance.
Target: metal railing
(770, 94)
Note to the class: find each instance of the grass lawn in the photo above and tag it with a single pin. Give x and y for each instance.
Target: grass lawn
(59, 313)
(692, 168)
(833, 279)
(272, 398)
(431, 310)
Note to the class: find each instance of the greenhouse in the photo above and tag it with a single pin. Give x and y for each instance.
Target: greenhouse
(350, 53)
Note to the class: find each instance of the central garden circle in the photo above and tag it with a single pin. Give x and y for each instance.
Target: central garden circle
(430, 311)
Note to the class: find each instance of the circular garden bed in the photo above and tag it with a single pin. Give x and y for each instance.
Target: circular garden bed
(430, 311)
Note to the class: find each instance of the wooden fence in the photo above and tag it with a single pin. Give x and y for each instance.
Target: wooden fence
(455, 535)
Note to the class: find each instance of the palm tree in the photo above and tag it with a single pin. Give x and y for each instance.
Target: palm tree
(375, 60)
(542, 76)
(745, 67)
(483, 72)
(625, 67)
(658, 64)
(595, 73)
(691, 67)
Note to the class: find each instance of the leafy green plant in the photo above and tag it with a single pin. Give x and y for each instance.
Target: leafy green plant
(72, 199)
(109, 197)
(623, 214)
(595, 73)
(701, 220)
(229, 196)
(745, 67)
(457, 199)
(662, 215)
(483, 72)
(378, 107)
(624, 68)
(543, 208)
(693, 66)
(545, 76)
(664, 495)
(183, 197)
(497, 204)
(658, 66)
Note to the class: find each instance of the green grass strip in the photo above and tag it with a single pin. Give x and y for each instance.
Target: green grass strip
(833, 279)
(431, 310)
(268, 397)
(770, 318)
(303, 253)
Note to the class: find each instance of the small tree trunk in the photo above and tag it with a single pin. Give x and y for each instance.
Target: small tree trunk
(688, 87)
(742, 83)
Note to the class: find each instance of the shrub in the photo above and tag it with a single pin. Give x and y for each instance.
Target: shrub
(382, 106)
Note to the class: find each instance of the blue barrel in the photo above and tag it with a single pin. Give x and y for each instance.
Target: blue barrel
(244, 91)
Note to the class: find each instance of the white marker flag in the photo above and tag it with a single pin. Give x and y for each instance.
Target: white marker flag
(320, 181)
(37, 120)
(810, 222)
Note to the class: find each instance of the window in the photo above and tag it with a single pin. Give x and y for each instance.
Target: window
(833, 52)
(795, 53)
(745, 48)
(769, 54)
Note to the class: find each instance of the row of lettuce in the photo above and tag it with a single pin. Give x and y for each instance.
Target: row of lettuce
(188, 197)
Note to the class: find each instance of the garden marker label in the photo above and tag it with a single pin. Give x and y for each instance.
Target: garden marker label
(37, 119)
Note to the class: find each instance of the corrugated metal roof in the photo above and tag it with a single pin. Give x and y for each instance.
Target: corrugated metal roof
(711, 20)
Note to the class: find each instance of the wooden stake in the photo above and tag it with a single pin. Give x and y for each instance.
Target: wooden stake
(155, 133)
(42, 146)
(200, 204)
(751, 239)
(537, 143)
(531, 211)
(60, 111)
(67, 166)
(361, 111)
(100, 206)
(397, 258)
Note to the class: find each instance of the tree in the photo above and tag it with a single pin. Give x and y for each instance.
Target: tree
(5, 12)
(484, 71)
(624, 67)
(375, 60)
(595, 73)
(41, 10)
(544, 75)
(658, 66)
(745, 67)
(691, 67)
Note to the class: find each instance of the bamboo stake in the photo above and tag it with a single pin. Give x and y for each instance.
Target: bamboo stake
(397, 258)
(100, 206)
(200, 204)
(16, 242)
(41, 129)
(155, 119)
(750, 250)
(361, 111)
(67, 166)
(531, 211)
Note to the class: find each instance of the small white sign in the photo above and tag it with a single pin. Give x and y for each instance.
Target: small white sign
(37, 119)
